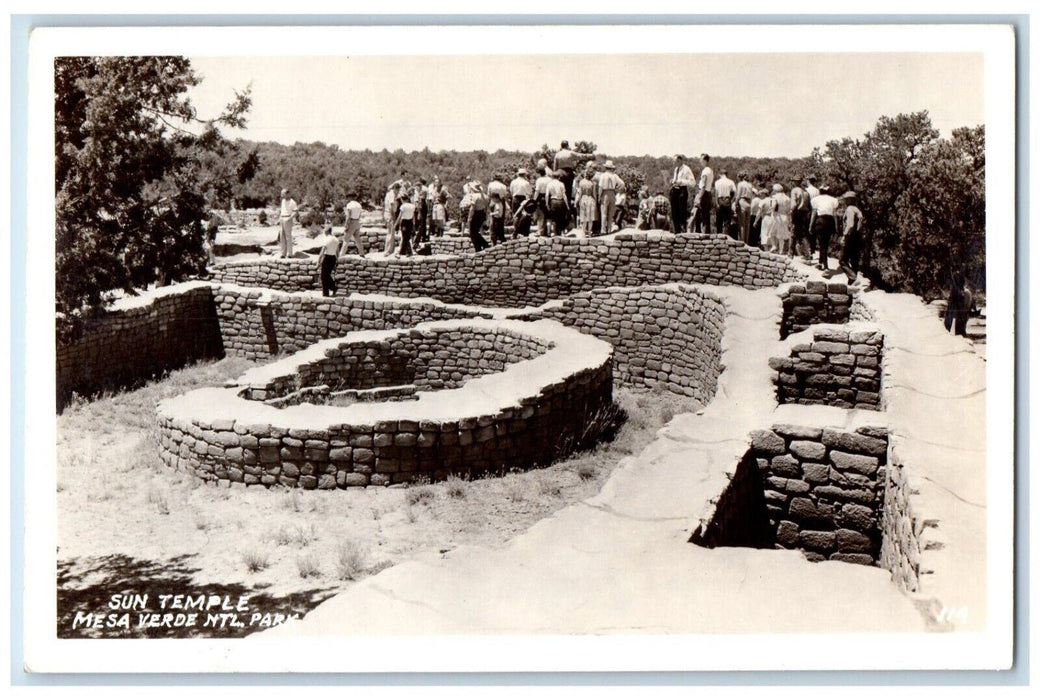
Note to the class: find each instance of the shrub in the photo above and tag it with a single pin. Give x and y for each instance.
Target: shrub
(255, 560)
(350, 560)
(307, 565)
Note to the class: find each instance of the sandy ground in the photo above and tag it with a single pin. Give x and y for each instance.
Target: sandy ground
(126, 520)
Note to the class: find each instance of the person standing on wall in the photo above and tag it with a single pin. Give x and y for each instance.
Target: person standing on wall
(330, 246)
(585, 197)
(758, 211)
(744, 194)
(959, 304)
(801, 212)
(498, 186)
(520, 189)
(406, 213)
(286, 218)
(679, 194)
(725, 190)
(823, 224)
(556, 202)
(542, 217)
(477, 216)
(705, 188)
(352, 227)
(564, 163)
(390, 204)
(609, 185)
(497, 213)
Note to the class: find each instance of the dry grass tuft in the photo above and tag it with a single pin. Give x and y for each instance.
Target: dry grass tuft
(420, 495)
(255, 560)
(307, 565)
(455, 487)
(350, 560)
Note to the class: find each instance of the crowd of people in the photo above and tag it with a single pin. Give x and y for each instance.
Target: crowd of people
(803, 221)
(578, 196)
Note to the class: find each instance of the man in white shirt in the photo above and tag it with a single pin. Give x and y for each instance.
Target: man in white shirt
(542, 217)
(352, 227)
(810, 187)
(556, 202)
(330, 246)
(520, 189)
(725, 190)
(705, 189)
(679, 194)
(608, 186)
(745, 193)
(564, 163)
(390, 215)
(823, 223)
(285, 219)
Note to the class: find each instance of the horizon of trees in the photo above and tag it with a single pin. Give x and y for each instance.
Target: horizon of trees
(134, 183)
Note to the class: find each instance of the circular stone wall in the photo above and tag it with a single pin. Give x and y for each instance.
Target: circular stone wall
(451, 397)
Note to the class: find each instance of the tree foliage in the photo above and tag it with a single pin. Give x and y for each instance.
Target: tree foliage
(135, 168)
(923, 199)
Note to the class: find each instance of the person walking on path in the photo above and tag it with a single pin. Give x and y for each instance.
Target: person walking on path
(609, 185)
(705, 185)
(330, 246)
(286, 218)
(352, 227)
(852, 238)
(744, 194)
(679, 194)
(958, 304)
(823, 224)
(725, 190)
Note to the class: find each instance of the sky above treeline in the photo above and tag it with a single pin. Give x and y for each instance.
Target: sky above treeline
(764, 105)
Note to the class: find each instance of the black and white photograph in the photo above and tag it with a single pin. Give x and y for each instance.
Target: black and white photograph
(520, 348)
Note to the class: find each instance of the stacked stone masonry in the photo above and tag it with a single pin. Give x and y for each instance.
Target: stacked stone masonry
(823, 492)
(662, 336)
(427, 361)
(161, 332)
(838, 368)
(486, 432)
(532, 271)
(902, 531)
(814, 302)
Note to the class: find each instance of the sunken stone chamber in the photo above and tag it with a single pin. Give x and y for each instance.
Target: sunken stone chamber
(820, 490)
(489, 396)
(832, 365)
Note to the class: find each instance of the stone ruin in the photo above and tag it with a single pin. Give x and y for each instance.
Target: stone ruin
(814, 435)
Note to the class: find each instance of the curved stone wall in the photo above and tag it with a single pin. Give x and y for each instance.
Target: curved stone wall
(534, 270)
(529, 413)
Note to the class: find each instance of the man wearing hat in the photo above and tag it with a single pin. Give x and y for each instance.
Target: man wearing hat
(852, 242)
(823, 223)
(564, 163)
(556, 202)
(520, 189)
(609, 185)
(286, 217)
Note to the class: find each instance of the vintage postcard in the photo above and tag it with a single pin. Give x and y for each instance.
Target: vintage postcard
(520, 348)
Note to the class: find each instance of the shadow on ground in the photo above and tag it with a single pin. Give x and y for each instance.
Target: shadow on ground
(89, 586)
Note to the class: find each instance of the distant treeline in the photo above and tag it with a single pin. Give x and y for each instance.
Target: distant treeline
(321, 175)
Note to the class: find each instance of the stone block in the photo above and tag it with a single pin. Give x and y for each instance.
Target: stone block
(853, 542)
(767, 442)
(785, 465)
(817, 540)
(807, 450)
(861, 464)
(854, 442)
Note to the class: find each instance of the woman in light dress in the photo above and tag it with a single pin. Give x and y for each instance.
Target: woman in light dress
(782, 220)
(584, 194)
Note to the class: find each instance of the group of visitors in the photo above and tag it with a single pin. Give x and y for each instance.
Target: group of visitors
(412, 213)
(802, 222)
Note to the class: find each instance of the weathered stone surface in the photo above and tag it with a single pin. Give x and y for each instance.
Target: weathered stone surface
(808, 450)
(854, 462)
(853, 442)
(767, 442)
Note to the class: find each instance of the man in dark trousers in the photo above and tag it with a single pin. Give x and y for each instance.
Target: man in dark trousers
(679, 194)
